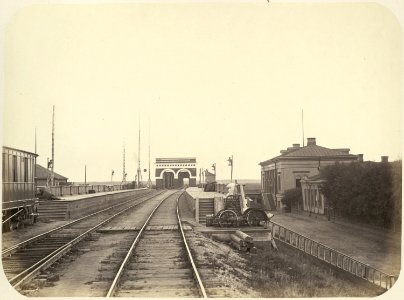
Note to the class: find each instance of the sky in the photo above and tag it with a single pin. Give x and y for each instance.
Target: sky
(202, 80)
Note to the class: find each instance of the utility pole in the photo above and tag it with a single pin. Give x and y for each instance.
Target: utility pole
(139, 171)
(123, 167)
(52, 179)
(35, 140)
(230, 160)
(302, 128)
(85, 178)
(149, 182)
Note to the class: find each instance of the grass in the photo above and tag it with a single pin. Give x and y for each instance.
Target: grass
(290, 273)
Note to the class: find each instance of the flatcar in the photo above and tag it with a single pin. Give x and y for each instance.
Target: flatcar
(19, 204)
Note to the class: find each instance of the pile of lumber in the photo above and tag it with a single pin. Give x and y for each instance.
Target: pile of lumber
(242, 242)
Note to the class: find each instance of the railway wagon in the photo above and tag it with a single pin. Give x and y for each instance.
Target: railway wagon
(18, 188)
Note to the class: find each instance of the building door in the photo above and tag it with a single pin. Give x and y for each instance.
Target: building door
(168, 180)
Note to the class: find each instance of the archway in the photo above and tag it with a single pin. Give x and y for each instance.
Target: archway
(168, 180)
(183, 174)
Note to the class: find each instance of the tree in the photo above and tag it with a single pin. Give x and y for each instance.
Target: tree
(368, 192)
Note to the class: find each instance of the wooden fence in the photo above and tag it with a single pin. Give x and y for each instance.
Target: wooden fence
(68, 190)
(333, 257)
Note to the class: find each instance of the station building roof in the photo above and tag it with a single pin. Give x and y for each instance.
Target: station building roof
(311, 151)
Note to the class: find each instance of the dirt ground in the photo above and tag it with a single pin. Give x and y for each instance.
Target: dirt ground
(376, 247)
(224, 271)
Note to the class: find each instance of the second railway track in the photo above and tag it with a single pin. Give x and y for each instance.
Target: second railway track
(24, 260)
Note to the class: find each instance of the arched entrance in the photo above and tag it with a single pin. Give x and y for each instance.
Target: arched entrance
(183, 175)
(168, 180)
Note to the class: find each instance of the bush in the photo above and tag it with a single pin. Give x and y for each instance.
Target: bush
(291, 198)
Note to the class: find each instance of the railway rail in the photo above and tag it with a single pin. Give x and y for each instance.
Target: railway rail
(26, 259)
(158, 262)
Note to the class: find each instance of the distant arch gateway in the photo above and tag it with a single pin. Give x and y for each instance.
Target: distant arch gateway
(175, 172)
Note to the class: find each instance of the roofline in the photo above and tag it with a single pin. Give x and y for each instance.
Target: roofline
(15, 149)
(49, 171)
(175, 158)
(353, 157)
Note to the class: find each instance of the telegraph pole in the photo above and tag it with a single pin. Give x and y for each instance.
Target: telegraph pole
(149, 182)
(302, 128)
(139, 171)
(123, 167)
(52, 179)
(85, 178)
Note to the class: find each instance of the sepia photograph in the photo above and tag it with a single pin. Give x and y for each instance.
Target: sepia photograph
(201, 149)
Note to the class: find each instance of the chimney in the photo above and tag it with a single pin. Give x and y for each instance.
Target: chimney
(385, 159)
(311, 141)
(360, 157)
(296, 146)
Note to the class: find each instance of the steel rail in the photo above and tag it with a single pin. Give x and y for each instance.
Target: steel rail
(12, 216)
(32, 270)
(39, 236)
(119, 274)
(194, 269)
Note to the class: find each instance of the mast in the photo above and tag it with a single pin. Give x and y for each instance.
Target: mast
(149, 182)
(123, 166)
(139, 171)
(302, 128)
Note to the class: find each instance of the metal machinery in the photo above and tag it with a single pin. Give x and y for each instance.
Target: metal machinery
(237, 209)
(19, 204)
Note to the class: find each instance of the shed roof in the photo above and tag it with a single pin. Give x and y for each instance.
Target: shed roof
(42, 173)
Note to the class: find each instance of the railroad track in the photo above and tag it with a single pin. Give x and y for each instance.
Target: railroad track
(23, 261)
(158, 262)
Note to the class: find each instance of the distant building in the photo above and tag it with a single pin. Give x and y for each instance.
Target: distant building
(209, 177)
(18, 174)
(42, 174)
(286, 171)
(175, 172)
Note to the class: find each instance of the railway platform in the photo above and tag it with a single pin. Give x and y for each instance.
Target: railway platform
(71, 207)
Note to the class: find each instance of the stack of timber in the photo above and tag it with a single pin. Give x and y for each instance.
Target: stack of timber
(242, 242)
